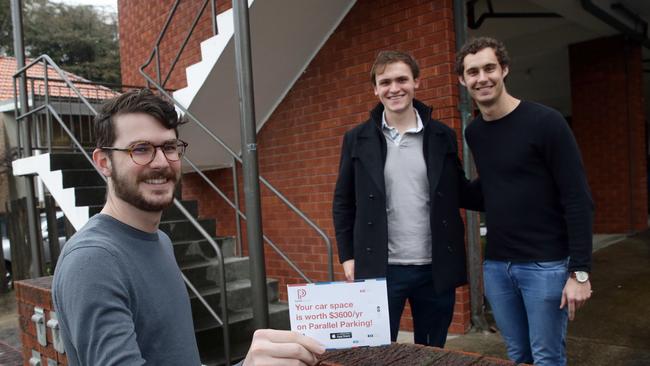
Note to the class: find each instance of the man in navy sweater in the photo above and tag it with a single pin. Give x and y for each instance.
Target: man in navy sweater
(538, 206)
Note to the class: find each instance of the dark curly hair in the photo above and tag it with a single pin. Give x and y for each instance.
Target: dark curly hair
(478, 44)
(134, 101)
(388, 57)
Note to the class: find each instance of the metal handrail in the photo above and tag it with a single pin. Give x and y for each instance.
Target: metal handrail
(236, 158)
(156, 49)
(47, 61)
(94, 83)
(240, 214)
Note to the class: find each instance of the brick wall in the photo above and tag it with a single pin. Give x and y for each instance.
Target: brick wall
(609, 124)
(31, 293)
(140, 25)
(299, 145)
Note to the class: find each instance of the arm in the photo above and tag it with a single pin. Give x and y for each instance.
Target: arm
(348, 269)
(344, 209)
(563, 156)
(574, 295)
(93, 306)
(281, 347)
(470, 193)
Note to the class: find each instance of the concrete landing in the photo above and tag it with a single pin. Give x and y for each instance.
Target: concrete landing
(613, 328)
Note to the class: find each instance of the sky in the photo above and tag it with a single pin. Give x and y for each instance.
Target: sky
(109, 5)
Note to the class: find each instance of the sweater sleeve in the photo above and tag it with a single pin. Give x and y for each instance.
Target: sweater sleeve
(470, 192)
(563, 158)
(93, 306)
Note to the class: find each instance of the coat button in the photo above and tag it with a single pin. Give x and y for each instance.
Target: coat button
(444, 223)
(450, 249)
(368, 249)
(371, 196)
(369, 223)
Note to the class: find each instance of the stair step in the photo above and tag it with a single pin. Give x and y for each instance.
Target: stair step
(209, 336)
(240, 319)
(61, 161)
(96, 196)
(183, 230)
(172, 213)
(238, 352)
(205, 274)
(82, 178)
(239, 297)
(89, 196)
(192, 251)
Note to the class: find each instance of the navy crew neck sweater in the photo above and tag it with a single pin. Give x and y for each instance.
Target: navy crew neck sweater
(537, 200)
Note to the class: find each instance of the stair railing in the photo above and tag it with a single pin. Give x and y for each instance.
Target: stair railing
(48, 108)
(159, 84)
(67, 104)
(156, 49)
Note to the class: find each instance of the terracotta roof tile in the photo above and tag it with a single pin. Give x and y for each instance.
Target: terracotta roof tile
(57, 87)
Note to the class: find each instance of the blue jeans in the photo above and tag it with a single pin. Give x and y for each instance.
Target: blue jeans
(432, 313)
(525, 299)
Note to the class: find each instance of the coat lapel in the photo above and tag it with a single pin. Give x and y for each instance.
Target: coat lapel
(436, 148)
(369, 152)
(370, 148)
(435, 145)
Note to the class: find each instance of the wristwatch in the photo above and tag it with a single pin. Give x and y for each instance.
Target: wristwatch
(580, 276)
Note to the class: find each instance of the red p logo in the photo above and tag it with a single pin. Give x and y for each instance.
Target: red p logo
(301, 293)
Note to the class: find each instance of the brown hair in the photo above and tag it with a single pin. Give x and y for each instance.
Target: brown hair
(389, 57)
(478, 44)
(134, 101)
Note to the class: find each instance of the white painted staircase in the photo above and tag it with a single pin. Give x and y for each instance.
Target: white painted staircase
(285, 37)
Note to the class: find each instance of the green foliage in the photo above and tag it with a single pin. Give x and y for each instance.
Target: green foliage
(80, 39)
(6, 40)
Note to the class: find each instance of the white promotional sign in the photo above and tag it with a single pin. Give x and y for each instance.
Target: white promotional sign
(341, 314)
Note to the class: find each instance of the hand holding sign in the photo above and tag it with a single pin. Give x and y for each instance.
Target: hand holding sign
(341, 314)
(280, 347)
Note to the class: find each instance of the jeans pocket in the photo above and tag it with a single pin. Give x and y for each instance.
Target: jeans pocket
(561, 264)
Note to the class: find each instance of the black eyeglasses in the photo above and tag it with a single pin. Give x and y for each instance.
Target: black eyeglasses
(143, 152)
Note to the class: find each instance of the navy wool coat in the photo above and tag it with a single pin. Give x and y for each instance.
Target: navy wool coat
(359, 206)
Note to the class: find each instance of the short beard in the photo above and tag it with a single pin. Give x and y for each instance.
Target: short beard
(132, 197)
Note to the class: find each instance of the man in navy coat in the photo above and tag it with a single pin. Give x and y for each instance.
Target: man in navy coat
(396, 202)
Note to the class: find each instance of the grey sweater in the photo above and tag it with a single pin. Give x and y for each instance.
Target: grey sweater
(407, 197)
(121, 300)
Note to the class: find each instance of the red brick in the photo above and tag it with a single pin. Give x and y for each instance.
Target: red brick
(609, 124)
(47, 351)
(35, 292)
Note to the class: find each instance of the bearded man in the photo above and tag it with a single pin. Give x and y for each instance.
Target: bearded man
(117, 290)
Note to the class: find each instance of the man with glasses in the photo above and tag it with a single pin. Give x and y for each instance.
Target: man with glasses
(117, 290)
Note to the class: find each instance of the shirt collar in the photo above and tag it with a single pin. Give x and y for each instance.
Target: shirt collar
(418, 123)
